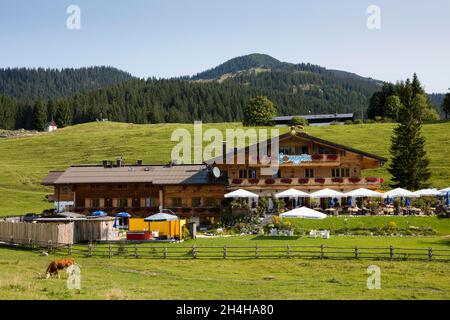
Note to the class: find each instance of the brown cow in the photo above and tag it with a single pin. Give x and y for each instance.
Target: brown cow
(56, 265)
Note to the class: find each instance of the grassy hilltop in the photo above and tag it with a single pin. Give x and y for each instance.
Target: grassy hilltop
(25, 161)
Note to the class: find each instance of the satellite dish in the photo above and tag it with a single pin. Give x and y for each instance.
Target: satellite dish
(216, 172)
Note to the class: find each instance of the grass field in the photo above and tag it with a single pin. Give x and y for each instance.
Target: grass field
(120, 278)
(25, 161)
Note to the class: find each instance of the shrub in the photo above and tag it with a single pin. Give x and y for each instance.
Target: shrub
(378, 118)
(299, 121)
(347, 122)
(358, 121)
(334, 123)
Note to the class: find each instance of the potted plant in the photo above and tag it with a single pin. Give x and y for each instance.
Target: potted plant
(237, 181)
(253, 180)
(320, 180)
(270, 181)
(303, 180)
(317, 156)
(354, 179)
(286, 180)
(332, 157)
(337, 180)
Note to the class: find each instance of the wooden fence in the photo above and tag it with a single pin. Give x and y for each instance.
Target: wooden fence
(255, 252)
(41, 234)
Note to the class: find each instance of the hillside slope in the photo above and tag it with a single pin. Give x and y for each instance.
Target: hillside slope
(27, 160)
(30, 84)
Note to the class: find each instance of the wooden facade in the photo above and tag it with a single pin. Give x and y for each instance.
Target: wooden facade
(192, 191)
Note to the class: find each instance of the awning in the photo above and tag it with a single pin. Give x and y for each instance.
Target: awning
(161, 217)
(292, 193)
(327, 193)
(305, 213)
(399, 192)
(241, 193)
(427, 193)
(363, 192)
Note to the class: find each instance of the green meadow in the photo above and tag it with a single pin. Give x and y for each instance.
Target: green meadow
(122, 278)
(25, 161)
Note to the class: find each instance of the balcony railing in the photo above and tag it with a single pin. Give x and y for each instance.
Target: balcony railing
(305, 181)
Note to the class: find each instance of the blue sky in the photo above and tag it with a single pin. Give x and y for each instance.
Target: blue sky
(165, 38)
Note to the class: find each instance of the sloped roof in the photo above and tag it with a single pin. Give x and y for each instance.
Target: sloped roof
(153, 174)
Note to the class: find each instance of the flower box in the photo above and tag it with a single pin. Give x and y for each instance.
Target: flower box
(270, 181)
(303, 180)
(286, 180)
(381, 180)
(354, 180)
(237, 181)
(320, 180)
(371, 179)
(332, 157)
(317, 156)
(253, 181)
(337, 180)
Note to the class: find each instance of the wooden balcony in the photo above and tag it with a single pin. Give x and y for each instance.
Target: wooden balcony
(304, 160)
(370, 182)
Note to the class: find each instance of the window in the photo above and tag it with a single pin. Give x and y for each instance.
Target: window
(122, 186)
(285, 150)
(95, 203)
(176, 202)
(252, 174)
(123, 202)
(210, 202)
(309, 173)
(149, 202)
(305, 150)
(298, 150)
(95, 186)
(242, 174)
(196, 202)
(340, 172)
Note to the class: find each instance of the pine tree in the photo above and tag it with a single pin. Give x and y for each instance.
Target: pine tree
(409, 167)
(39, 115)
(63, 114)
(446, 105)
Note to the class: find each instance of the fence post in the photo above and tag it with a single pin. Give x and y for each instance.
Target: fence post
(11, 240)
(430, 254)
(90, 249)
(356, 252)
(135, 251)
(165, 252)
(50, 245)
(321, 251)
(194, 252)
(391, 252)
(289, 251)
(110, 251)
(70, 249)
(30, 243)
(224, 252)
(256, 252)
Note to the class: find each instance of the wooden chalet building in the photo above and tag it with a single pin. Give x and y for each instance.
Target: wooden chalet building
(193, 192)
